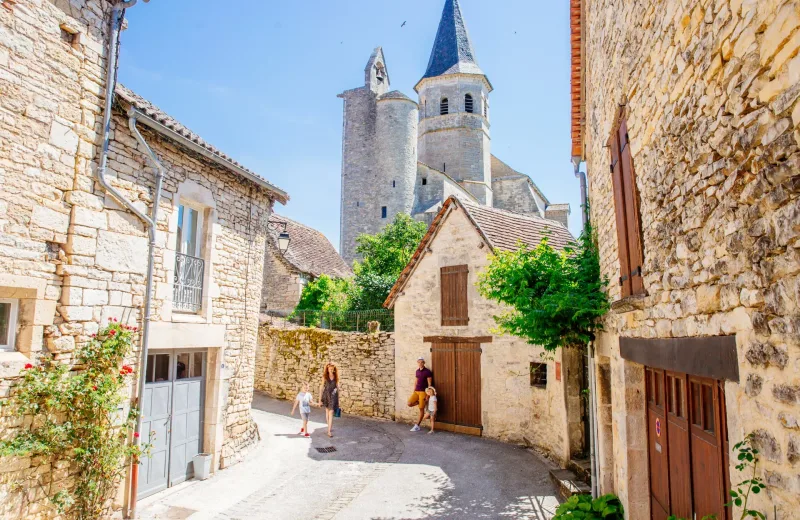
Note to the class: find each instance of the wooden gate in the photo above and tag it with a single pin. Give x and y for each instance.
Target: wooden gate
(457, 377)
(687, 445)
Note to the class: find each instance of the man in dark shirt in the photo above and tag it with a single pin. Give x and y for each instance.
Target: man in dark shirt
(424, 380)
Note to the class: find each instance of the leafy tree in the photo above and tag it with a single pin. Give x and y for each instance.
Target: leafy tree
(556, 298)
(325, 294)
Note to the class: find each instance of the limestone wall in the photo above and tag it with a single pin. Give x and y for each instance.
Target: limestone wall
(711, 89)
(512, 409)
(282, 283)
(288, 357)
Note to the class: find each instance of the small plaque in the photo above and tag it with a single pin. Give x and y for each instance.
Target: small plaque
(658, 447)
(558, 371)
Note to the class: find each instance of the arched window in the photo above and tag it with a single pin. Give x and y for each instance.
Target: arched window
(444, 107)
(468, 106)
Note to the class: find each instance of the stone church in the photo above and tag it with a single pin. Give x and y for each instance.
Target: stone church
(404, 156)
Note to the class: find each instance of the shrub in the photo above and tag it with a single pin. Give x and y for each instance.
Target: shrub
(606, 507)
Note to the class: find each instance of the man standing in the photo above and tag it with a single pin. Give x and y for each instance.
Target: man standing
(424, 380)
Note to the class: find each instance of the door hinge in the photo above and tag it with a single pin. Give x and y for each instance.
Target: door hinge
(637, 271)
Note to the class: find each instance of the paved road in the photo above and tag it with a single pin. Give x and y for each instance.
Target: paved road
(379, 471)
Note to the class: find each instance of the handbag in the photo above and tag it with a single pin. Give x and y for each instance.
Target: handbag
(337, 412)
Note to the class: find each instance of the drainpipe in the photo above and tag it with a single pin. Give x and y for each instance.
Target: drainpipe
(117, 16)
(595, 470)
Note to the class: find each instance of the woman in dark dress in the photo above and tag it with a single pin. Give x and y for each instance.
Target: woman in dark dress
(329, 393)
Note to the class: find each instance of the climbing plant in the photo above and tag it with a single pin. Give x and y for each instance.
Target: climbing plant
(76, 417)
(555, 298)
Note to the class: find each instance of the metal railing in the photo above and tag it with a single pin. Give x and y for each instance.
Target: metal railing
(187, 293)
(345, 321)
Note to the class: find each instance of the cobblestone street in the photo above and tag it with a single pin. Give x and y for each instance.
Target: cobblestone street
(379, 470)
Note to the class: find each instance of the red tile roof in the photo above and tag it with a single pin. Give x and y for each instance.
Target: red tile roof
(576, 75)
(309, 250)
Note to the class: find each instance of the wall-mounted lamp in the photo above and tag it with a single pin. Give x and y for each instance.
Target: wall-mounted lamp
(283, 238)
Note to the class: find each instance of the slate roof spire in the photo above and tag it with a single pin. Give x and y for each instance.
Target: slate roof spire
(452, 51)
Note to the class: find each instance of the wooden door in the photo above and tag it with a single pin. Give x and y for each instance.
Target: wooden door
(680, 463)
(457, 377)
(658, 445)
(708, 482)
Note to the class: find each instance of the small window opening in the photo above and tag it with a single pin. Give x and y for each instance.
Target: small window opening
(69, 36)
(538, 374)
(393, 185)
(8, 323)
(468, 106)
(444, 107)
(379, 73)
(444, 167)
(358, 204)
(383, 211)
(424, 181)
(485, 107)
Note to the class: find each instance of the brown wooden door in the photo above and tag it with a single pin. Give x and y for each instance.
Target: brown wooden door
(708, 482)
(658, 446)
(687, 445)
(457, 377)
(680, 489)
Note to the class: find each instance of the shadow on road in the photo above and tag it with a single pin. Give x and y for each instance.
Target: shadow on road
(458, 476)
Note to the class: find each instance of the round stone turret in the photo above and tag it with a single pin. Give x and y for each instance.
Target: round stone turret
(396, 136)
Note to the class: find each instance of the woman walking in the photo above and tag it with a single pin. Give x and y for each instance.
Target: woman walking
(329, 393)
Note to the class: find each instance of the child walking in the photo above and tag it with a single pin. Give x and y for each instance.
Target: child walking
(304, 400)
(432, 406)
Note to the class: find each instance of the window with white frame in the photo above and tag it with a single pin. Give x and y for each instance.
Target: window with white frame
(8, 323)
(189, 266)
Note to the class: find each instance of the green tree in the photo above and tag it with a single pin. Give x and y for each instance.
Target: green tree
(556, 298)
(384, 254)
(325, 294)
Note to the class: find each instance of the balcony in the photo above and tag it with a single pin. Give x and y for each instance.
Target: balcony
(187, 293)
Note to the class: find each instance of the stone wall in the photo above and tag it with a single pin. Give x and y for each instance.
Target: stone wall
(711, 89)
(74, 258)
(512, 409)
(289, 357)
(282, 283)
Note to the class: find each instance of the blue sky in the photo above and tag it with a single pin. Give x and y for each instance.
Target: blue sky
(259, 81)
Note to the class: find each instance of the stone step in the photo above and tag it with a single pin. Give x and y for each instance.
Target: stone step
(582, 469)
(568, 484)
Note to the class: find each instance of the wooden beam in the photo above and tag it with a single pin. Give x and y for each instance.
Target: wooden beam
(457, 339)
(713, 356)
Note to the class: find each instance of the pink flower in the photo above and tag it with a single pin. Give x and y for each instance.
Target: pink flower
(136, 434)
(28, 365)
(112, 332)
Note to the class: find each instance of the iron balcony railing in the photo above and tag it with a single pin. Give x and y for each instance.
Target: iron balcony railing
(187, 294)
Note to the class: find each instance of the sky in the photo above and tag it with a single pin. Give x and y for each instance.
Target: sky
(260, 80)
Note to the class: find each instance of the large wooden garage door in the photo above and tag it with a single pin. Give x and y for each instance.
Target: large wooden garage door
(457, 378)
(687, 445)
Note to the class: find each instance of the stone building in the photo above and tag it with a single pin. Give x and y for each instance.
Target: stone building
(310, 255)
(488, 384)
(687, 117)
(72, 257)
(404, 156)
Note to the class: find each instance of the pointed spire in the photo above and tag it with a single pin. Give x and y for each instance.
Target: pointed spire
(452, 51)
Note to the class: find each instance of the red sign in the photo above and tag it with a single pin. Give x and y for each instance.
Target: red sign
(558, 371)
(658, 427)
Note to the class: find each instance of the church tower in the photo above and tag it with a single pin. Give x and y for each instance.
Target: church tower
(379, 155)
(454, 109)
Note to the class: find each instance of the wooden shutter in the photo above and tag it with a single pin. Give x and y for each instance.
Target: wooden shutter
(631, 211)
(619, 207)
(454, 295)
(627, 212)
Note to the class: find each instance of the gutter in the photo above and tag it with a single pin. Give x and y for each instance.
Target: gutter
(115, 24)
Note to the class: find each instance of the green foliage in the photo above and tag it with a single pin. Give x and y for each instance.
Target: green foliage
(748, 461)
(77, 419)
(606, 507)
(557, 298)
(385, 254)
(706, 517)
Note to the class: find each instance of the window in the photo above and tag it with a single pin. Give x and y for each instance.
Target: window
(468, 106)
(538, 374)
(454, 295)
(485, 106)
(358, 204)
(627, 211)
(424, 181)
(8, 323)
(393, 185)
(187, 292)
(69, 35)
(188, 365)
(157, 368)
(383, 211)
(444, 107)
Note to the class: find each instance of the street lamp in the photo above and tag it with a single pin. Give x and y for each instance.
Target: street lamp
(283, 237)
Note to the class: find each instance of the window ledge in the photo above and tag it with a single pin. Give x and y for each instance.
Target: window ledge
(178, 317)
(628, 304)
(11, 363)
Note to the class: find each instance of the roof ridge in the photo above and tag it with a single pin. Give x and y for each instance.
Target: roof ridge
(520, 215)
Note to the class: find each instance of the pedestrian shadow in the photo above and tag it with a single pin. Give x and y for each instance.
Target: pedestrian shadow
(464, 477)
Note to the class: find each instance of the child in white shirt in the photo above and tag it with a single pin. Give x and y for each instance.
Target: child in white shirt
(304, 400)
(431, 407)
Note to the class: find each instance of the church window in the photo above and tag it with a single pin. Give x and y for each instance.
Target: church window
(444, 107)
(485, 107)
(379, 73)
(468, 105)
(358, 204)
(393, 185)
(383, 211)
(424, 181)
